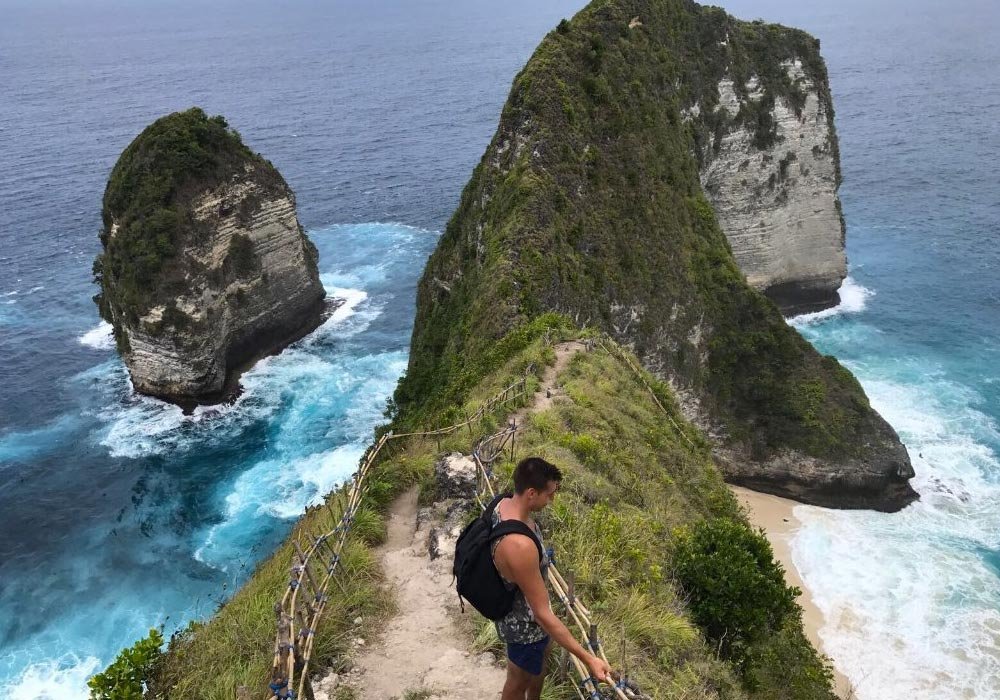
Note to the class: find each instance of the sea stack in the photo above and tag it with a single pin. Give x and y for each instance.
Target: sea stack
(603, 200)
(205, 266)
(769, 163)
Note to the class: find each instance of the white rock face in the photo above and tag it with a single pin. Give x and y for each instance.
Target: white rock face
(248, 287)
(778, 206)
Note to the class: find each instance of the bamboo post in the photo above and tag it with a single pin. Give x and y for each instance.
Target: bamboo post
(303, 564)
(282, 662)
(624, 658)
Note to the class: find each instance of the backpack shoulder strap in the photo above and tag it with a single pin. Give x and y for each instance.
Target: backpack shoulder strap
(516, 527)
(488, 512)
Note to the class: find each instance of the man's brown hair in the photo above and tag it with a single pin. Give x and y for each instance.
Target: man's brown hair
(534, 473)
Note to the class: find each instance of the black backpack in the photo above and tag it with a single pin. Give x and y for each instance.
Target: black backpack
(479, 581)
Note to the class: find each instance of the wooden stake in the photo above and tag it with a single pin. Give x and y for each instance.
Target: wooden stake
(305, 569)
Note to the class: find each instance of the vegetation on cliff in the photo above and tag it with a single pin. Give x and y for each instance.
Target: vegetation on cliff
(147, 214)
(632, 480)
(588, 203)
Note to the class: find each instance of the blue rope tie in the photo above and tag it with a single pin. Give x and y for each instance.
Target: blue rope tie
(551, 554)
(594, 695)
(293, 584)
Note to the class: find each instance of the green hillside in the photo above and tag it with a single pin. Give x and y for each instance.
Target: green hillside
(588, 203)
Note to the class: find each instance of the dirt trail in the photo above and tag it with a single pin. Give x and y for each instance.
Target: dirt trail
(422, 647)
(548, 391)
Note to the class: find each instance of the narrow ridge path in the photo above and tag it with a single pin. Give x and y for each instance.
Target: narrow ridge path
(422, 647)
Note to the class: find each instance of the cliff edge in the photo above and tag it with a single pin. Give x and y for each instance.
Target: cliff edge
(205, 265)
(769, 162)
(589, 203)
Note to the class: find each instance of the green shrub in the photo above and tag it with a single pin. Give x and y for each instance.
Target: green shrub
(126, 677)
(737, 590)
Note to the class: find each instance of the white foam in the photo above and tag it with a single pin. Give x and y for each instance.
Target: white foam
(295, 474)
(58, 679)
(910, 605)
(101, 338)
(853, 298)
(147, 426)
(352, 299)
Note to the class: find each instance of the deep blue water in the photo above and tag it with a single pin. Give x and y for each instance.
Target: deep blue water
(117, 512)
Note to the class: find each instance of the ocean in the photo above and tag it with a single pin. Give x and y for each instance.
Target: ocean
(118, 512)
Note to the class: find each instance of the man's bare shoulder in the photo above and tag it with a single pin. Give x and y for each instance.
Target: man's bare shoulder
(517, 546)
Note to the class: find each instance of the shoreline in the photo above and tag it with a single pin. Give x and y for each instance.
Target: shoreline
(775, 516)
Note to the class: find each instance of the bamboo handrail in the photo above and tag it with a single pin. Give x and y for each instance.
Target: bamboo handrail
(290, 655)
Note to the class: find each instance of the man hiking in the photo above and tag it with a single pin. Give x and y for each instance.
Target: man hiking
(530, 624)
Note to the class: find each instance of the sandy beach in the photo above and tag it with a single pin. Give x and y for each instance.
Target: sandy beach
(775, 515)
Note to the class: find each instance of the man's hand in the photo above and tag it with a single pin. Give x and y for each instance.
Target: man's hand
(599, 669)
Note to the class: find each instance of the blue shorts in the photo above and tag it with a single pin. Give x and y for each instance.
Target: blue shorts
(528, 657)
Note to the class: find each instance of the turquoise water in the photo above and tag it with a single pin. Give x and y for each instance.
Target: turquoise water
(912, 600)
(117, 512)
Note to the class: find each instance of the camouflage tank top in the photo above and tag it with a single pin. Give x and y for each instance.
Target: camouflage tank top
(519, 626)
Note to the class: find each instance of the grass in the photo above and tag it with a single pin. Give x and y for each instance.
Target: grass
(234, 648)
(631, 478)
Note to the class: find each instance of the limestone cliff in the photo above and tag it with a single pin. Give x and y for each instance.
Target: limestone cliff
(588, 203)
(768, 156)
(205, 266)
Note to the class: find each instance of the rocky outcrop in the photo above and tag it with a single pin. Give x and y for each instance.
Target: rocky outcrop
(775, 194)
(588, 208)
(229, 276)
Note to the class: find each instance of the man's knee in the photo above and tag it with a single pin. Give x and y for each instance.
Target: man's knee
(518, 681)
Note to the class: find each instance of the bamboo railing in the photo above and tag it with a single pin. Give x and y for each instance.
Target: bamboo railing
(300, 610)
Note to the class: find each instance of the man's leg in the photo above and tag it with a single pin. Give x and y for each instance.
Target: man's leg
(517, 684)
(535, 687)
(535, 683)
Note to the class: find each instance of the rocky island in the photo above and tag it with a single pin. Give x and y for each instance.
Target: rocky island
(205, 266)
(635, 138)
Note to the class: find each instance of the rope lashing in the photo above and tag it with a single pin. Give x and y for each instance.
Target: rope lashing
(276, 689)
(594, 693)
